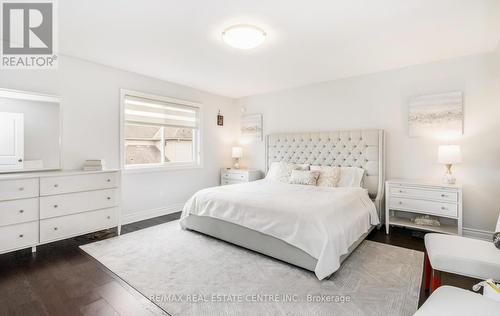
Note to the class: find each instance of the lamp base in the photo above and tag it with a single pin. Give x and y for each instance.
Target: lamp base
(236, 164)
(448, 177)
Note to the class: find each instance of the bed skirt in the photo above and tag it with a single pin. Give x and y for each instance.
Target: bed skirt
(257, 241)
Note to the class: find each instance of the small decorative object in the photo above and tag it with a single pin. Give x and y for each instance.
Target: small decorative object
(426, 220)
(94, 165)
(237, 153)
(496, 239)
(437, 115)
(448, 155)
(220, 119)
(490, 289)
(251, 127)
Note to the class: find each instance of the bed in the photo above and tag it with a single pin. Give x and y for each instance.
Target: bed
(315, 228)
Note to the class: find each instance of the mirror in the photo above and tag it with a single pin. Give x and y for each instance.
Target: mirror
(30, 131)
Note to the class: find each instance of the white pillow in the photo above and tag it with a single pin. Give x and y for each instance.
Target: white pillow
(304, 177)
(281, 171)
(351, 177)
(302, 166)
(328, 176)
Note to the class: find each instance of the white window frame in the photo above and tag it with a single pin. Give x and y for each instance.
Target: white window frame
(197, 136)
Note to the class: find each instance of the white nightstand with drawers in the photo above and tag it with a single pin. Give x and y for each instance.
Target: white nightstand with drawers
(233, 176)
(406, 199)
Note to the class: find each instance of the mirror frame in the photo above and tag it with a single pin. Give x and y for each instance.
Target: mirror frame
(39, 97)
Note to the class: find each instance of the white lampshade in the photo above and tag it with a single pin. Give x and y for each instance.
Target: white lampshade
(449, 154)
(237, 152)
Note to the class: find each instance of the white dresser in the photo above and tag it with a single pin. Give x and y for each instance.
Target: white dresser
(406, 199)
(233, 176)
(37, 208)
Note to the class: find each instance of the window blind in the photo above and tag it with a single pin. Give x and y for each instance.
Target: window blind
(160, 113)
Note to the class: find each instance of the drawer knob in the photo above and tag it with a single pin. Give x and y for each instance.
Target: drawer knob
(108, 180)
(109, 198)
(443, 195)
(21, 189)
(56, 185)
(56, 206)
(400, 202)
(21, 211)
(400, 191)
(55, 228)
(444, 208)
(108, 217)
(21, 236)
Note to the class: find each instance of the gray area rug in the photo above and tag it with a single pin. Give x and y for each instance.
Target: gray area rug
(187, 273)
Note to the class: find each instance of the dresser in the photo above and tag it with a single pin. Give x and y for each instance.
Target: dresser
(38, 208)
(233, 176)
(406, 199)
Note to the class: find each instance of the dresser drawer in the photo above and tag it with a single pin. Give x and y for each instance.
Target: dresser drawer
(443, 195)
(18, 211)
(18, 189)
(235, 176)
(77, 224)
(18, 236)
(70, 203)
(427, 207)
(78, 183)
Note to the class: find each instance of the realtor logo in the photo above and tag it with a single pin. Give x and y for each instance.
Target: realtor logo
(28, 35)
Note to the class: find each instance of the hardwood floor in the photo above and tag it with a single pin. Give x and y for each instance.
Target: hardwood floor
(60, 279)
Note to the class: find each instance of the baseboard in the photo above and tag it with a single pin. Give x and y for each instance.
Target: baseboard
(147, 214)
(477, 233)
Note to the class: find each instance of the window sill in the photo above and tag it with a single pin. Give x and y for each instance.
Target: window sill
(159, 168)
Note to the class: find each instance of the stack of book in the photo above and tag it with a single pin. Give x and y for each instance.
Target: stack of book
(94, 165)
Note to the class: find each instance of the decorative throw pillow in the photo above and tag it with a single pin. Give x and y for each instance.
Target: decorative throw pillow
(328, 176)
(302, 166)
(304, 177)
(496, 236)
(281, 171)
(351, 177)
(496, 239)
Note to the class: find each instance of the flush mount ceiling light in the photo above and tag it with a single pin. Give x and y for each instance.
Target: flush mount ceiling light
(243, 36)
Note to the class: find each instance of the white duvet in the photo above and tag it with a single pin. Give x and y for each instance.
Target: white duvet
(321, 221)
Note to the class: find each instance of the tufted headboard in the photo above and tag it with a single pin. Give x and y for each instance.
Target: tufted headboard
(356, 148)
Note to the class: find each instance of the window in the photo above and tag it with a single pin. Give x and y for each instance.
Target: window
(159, 132)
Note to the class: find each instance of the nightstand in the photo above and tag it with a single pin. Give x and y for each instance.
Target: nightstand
(233, 176)
(406, 199)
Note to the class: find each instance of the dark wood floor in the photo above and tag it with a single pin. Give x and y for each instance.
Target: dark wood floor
(60, 279)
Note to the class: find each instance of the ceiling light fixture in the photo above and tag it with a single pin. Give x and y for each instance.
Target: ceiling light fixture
(243, 36)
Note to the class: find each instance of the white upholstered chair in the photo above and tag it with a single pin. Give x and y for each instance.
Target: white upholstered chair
(452, 301)
(460, 255)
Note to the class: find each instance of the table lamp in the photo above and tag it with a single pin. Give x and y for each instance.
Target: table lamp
(237, 153)
(448, 155)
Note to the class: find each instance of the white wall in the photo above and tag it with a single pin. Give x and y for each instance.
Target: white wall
(380, 101)
(90, 97)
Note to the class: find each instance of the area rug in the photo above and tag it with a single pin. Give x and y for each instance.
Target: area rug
(187, 273)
